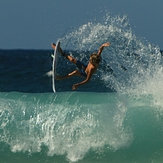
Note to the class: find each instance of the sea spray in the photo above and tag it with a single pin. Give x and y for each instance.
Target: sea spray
(131, 59)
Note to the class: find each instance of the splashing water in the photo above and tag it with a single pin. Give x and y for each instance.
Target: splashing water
(134, 61)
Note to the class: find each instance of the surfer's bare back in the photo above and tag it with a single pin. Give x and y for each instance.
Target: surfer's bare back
(84, 70)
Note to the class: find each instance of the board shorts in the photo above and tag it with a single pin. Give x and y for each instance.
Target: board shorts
(81, 66)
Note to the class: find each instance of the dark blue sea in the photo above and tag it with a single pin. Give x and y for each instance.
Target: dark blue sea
(115, 118)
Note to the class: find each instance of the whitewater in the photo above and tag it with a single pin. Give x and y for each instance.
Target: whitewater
(116, 118)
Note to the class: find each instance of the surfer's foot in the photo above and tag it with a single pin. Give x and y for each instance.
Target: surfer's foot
(53, 45)
(57, 78)
(61, 51)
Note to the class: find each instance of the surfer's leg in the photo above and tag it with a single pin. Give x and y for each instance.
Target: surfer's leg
(74, 73)
(71, 59)
(68, 57)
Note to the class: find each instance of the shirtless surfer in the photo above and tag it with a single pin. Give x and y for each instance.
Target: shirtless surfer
(83, 70)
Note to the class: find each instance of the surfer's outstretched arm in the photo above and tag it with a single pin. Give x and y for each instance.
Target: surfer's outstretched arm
(89, 75)
(102, 47)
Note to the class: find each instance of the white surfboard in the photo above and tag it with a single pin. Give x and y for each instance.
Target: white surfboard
(54, 66)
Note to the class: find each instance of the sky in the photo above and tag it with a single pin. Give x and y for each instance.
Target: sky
(35, 24)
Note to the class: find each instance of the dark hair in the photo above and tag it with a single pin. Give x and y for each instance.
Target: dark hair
(95, 57)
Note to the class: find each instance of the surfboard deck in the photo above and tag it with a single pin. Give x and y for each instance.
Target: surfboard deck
(54, 65)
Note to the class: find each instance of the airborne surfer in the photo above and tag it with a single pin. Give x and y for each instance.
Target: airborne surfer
(83, 70)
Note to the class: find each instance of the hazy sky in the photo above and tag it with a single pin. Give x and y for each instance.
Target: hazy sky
(34, 24)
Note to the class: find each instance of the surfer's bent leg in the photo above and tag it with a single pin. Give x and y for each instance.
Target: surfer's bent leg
(70, 58)
(74, 73)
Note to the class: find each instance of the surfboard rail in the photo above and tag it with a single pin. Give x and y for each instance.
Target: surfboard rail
(54, 65)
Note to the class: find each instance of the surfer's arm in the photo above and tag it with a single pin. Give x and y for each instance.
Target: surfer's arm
(89, 75)
(102, 47)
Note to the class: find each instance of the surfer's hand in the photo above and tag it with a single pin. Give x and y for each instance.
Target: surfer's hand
(74, 86)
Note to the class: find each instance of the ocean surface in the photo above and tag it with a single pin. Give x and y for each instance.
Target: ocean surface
(115, 118)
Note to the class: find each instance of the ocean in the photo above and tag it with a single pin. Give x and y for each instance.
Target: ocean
(115, 118)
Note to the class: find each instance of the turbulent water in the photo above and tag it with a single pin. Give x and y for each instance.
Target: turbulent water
(117, 117)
